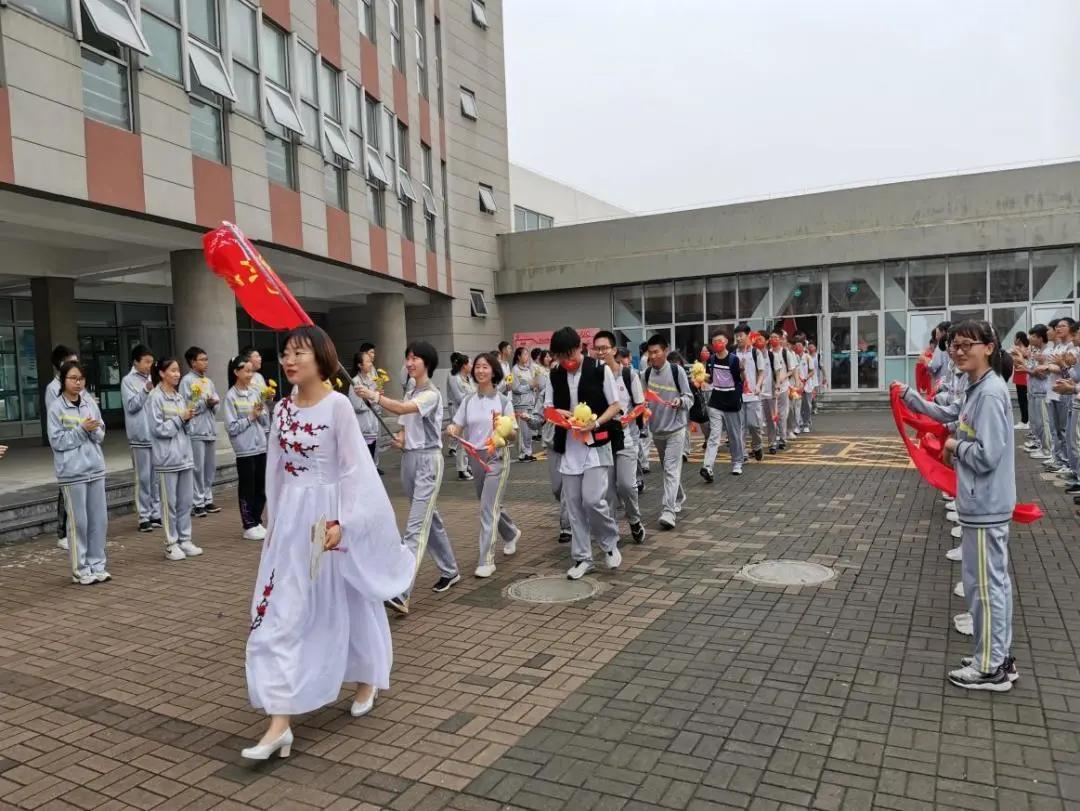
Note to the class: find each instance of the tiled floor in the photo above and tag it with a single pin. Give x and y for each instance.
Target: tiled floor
(677, 686)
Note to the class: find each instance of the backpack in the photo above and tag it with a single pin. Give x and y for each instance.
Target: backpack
(699, 409)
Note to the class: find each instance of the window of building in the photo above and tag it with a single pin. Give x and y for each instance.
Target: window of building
(446, 212)
(202, 20)
(855, 287)
(421, 49)
(397, 45)
(282, 119)
(528, 220)
(335, 174)
(335, 142)
(487, 199)
(207, 123)
(243, 42)
(106, 76)
(367, 19)
(690, 300)
(438, 64)
(479, 13)
(377, 177)
(280, 159)
(427, 168)
(967, 280)
(354, 103)
(1052, 274)
(115, 20)
(161, 25)
(308, 89)
(57, 12)
(406, 191)
(926, 283)
(389, 142)
(1009, 277)
(477, 305)
(721, 298)
(754, 296)
(468, 104)
(795, 292)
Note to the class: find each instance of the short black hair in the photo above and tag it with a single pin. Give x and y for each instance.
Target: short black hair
(743, 327)
(326, 356)
(66, 367)
(676, 359)
(1041, 331)
(564, 341)
(192, 353)
(367, 346)
(520, 351)
(249, 350)
(140, 351)
(622, 352)
(426, 352)
(608, 334)
(61, 353)
(503, 345)
(718, 333)
(235, 365)
(642, 347)
(457, 360)
(1067, 320)
(657, 339)
(535, 354)
(492, 360)
(1021, 338)
(161, 365)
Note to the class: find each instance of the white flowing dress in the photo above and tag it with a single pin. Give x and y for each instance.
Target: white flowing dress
(314, 629)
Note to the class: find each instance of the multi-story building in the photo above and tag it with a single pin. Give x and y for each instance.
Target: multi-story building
(543, 202)
(361, 143)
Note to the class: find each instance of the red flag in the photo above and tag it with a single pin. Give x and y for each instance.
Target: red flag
(474, 452)
(258, 289)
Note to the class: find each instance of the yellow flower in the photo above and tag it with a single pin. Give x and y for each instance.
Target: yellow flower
(327, 385)
(504, 426)
(582, 414)
(509, 380)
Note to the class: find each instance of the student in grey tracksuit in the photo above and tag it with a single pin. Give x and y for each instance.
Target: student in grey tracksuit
(554, 461)
(202, 429)
(246, 421)
(75, 433)
(725, 385)
(983, 456)
(170, 422)
(60, 355)
(459, 385)
(1038, 386)
(473, 422)
(523, 391)
(135, 390)
(668, 423)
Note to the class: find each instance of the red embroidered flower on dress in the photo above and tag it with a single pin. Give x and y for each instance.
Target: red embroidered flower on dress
(288, 429)
(260, 609)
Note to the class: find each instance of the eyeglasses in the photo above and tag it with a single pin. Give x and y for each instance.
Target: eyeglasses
(79, 379)
(289, 355)
(964, 346)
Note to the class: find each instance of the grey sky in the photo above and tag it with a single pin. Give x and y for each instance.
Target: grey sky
(655, 104)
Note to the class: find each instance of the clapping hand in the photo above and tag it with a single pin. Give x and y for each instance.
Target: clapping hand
(90, 425)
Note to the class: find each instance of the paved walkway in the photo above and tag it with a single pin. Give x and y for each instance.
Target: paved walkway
(677, 686)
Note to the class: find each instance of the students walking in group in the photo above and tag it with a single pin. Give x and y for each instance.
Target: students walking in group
(667, 425)
(780, 364)
(1058, 356)
(60, 355)
(506, 355)
(725, 383)
(752, 364)
(174, 464)
(246, 422)
(554, 465)
(645, 444)
(420, 439)
(523, 390)
(135, 390)
(365, 376)
(587, 455)
(75, 434)
(804, 414)
(459, 385)
(1020, 354)
(199, 392)
(981, 450)
(473, 421)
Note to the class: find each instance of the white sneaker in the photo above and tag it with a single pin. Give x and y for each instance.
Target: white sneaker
(256, 533)
(736, 470)
(190, 549)
(83, 579)
(959, 590)
(510, 547)
(950, 505)
(955, 554)
(579, 569)
(1040, 454)
(945, 496)
(62, 543)
(1021, 426)
(485, 571)
(964, 624)
(614, 558)
(102, 576)
(952, 515)
(667, 520)
(956, 532)
(173, 552)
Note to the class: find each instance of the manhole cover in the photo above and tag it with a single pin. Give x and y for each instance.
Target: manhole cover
(787, 573)
(553, 589)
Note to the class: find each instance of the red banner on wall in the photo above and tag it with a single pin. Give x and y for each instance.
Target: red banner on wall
(543, 339)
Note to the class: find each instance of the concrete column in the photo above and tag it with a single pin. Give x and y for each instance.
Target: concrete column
(53, 303)
(387, 311)
(204, 312)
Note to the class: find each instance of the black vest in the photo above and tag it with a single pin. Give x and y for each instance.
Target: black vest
(591, 391)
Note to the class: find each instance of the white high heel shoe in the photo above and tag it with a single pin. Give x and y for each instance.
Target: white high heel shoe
(283, 745)
(362, 708)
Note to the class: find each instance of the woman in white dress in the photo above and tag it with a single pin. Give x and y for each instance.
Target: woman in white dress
(317, 614)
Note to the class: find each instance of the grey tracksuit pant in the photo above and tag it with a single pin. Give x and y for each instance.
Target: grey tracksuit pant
(1072, 438)
(87, 523)
(205, 455)
(177, 489)
(490, 487)
(624, 484)
(525, 436)
(751, 413)
(720, 421)
(145, 486)
(554, 459)
(421, 478)
(783, 408)
(988, 592)
(1059, 422)
(770, 414)
(670, 449)
(644, 446)
(1040, 421)
(586, 497)
(806, 408)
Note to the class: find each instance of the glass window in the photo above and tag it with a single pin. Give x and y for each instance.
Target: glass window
(796, 292)
(275, 55)
(627, 311)
(329, 91)
(168, 9)
(106, 92)
(1008, 320)
(689, 338)
(854, 287)
(206, 125)
(926, 283)
(468, 104)
(519, 219)
(532, 220)
(868, 350)
(397, 48)
(202, 20)
(895, 333)
(337, 190)
(354, 98)
(306, 85)
(367, 19)
(245, 56)
(282, 110)
(967, 280)
(55, 11)
(753, 295)
(546, 221)
(720, 297)
(1009, 276)
(1052, 274)
(377, 204)
(210, 70)
(280, 158)
(895, 285)
(438, 64)
(479, 13)
(407, 224)
(487, 199)
(658, 303)
(420, 15)
(920, 328)
(164, 42)
(114, 19)
(690, 300)
(246, 85)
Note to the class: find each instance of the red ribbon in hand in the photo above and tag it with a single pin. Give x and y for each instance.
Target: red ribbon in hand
(553, 416)
(474, 452)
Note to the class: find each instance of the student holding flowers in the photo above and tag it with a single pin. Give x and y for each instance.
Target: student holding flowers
(246, 422)
(198, 390)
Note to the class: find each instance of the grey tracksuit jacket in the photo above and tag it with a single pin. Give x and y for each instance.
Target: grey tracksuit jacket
(248, 437)
(171, 442)
(134, 394)
(667, 420)
(77, 455)
(202, 425)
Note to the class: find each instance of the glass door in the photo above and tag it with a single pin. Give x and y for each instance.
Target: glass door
(99, 351)
(840, 352)
(855, 352)
(868, 351)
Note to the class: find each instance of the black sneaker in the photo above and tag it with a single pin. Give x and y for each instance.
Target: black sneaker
(198, 512)
(1073, 489)
(641, 485)
(465, 475)
(145, 526)
(398, 605)
(212, 508)
(565, 537)
(759, 454)
(444, 583)
(645, 471)
(155, 523)
(782, 446)
(970, 678)
(380, 471)
(453, 452)
(707, 475)
(1009, 664)
(685, 458)
(637, 532)
(772, 449)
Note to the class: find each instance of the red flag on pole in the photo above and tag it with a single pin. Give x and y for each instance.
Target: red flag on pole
(258, 289)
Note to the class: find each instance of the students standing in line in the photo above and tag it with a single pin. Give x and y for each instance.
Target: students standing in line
(473, 422)
(246, 422)
(199, 392)
(820, 383)
(807, 382)
(75, 433)
(668, 423)
(587, 455)
(628, 388)
(459, 385)
(135, 390)
(541, 368)
(364, 376)
(60, 355)
(725, 381)
(751, 362)
(637, 427)
(780, 362)
(1061, 352)
(420, 439)
(506, 355)
(1038, 385)
(523, 391)
(251, 354)
(769, 389)
(1020, 378)
(174, 463)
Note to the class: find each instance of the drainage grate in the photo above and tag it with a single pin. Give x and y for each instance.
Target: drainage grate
(553, 589)
(787, 573)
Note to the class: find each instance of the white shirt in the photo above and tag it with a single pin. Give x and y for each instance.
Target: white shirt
(579, 457)
(423, 429)
(474, 416)
(626, 402)
(748, 362)
(1053, 377)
